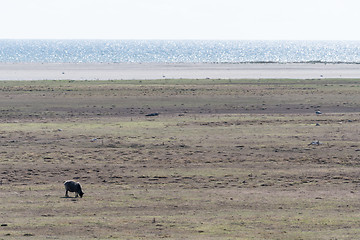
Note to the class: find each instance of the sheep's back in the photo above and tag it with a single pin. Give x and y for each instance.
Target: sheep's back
(72, 186)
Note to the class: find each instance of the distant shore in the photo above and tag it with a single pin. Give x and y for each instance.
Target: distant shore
(149, 71)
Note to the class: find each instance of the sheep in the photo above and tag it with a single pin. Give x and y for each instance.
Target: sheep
(71, 186)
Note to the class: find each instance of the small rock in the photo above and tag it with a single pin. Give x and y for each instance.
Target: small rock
(152, 114)
(317, 142)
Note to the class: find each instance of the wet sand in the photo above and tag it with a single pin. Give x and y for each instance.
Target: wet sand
(137, 71)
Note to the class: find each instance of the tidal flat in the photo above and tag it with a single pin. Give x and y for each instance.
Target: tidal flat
(180, 159)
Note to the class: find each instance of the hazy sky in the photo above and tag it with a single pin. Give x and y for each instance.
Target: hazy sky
(181, 19)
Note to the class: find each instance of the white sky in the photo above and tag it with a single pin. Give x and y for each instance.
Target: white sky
(181, 19)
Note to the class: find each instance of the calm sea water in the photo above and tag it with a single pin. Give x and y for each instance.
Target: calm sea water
(164, 51)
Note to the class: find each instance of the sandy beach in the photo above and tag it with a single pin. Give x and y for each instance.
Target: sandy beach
(137, 71)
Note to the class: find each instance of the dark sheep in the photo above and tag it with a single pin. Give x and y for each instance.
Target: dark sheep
(71, 186)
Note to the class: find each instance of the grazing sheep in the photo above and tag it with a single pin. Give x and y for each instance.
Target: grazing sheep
(71, 186)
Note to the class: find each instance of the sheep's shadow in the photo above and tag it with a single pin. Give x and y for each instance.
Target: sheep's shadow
(69, 197)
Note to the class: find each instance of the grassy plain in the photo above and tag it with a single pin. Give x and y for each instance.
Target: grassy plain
(224, 159)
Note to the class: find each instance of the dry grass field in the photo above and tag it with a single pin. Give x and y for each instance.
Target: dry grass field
(222, 159)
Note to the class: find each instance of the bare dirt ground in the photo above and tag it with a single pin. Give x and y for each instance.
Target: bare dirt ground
(221, 159)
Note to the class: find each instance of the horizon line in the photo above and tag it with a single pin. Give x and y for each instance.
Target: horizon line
(186, 39)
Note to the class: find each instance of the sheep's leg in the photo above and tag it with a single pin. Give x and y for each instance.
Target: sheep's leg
(66, 194)
(76, 195)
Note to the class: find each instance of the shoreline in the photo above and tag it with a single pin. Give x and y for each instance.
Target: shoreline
(152, 71)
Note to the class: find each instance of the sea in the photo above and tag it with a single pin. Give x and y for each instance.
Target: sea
(178, 51)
